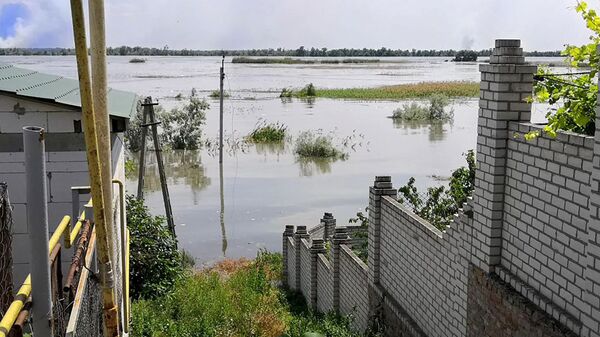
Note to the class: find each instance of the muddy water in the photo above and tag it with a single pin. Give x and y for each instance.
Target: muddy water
(265, 187)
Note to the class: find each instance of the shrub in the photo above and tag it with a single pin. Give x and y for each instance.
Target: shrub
(286, 93)
(435, 111)
(182, 127)
(439, 204)
(154, 259)
(217, 94)
(315, 145)
(465, 56)
(267, 133)
(308, 91)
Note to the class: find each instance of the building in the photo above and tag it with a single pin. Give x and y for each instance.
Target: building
(30, 98)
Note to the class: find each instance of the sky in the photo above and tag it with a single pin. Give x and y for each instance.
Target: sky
(247, 24)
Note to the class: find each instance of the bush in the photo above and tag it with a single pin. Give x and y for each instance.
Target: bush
(465, 56)
(182, 127)
(315, 145)
(154, 259)
(217, 94)
(267, 133)
(436, 111)
(286, 93)
(308, 91)
(439, 204)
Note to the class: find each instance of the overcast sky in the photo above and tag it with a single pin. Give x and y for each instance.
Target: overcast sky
(243, 24)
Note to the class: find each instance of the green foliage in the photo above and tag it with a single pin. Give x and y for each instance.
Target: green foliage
(154, 259)
(137, 60)
(465, 56)
(289, 60)
(572, 98)
(217, 94)
(439, 204)
(130, 168)
(311, 144)
(361, 249)
(182, 127)
(404, 91)
(234, 298)
(308, 91)
(286, 93)
(267, 133)
(133, 134)
(436, 111)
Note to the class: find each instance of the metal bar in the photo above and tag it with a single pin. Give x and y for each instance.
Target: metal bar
(142, 166)
(161, 170)
(89, 123)
(125, 254)
(19, 326)
(13, 311)
(61, 230)
(77, 260)
(37, 222)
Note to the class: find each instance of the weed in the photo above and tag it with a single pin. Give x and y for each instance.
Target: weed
(311, 144)
(267, 133)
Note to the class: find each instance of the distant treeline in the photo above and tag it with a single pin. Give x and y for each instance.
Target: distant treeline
(300, 52)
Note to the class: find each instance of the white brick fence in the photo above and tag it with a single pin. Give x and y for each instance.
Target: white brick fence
(521, 258)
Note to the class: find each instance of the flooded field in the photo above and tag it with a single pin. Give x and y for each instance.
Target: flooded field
(266, 187)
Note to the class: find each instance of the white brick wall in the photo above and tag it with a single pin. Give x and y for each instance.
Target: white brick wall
(324, 284)
(305, 269)
(354, 299)
(291, 263)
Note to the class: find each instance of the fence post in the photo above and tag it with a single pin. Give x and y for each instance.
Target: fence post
(37, 222)
(328, 222)
(301, 233)
(505, 85)
(381, 187)
(318, 247)
(339, 238)
(289, 232)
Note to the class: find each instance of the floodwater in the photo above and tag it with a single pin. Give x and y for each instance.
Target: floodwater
(265, 187)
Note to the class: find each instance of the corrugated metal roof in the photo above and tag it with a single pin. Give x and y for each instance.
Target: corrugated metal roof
(29, 83)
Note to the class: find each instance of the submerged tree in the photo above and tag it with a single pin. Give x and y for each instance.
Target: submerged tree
(182, 127)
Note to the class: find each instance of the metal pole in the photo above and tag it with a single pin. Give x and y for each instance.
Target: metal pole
(37, 222)
(142, 168)
(89, 124)
(222, 77)
(161, 167)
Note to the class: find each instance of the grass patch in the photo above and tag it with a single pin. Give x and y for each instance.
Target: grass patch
(234, 298)
(311, 144)
(404, 91)
(267, 133)
(435, 111)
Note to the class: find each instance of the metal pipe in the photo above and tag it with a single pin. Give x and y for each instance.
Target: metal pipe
(108, 294)
(37, 222)
(124, 255)
(15, 308)
(61, 230)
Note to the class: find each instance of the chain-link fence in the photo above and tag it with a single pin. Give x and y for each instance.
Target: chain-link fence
(6, 223)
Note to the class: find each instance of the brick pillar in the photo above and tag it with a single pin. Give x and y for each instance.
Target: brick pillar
(381, 187)
(329, 223)
(289, 232)
(301, 233)
(318, 247)
(591, 319)
(339, 238)
(506, 83)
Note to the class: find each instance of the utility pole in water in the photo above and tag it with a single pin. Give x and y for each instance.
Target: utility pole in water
(221, 112)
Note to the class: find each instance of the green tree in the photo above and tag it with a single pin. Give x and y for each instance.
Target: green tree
(572, 97)
(182, 127)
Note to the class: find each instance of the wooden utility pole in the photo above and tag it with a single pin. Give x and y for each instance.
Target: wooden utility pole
(149, 115)
(222, 77)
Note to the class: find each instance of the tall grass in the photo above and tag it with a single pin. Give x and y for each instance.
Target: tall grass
(311, 144)
(235, 298)
(435, 111)
(404, 91)
(289, 60)
(267, 133)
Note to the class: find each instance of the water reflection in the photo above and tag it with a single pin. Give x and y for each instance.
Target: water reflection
(313, 166)
(437, 131)
(222, 213)
(181, 168)
(276, 149)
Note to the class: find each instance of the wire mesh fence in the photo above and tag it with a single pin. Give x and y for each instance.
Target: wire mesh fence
(6, 224)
